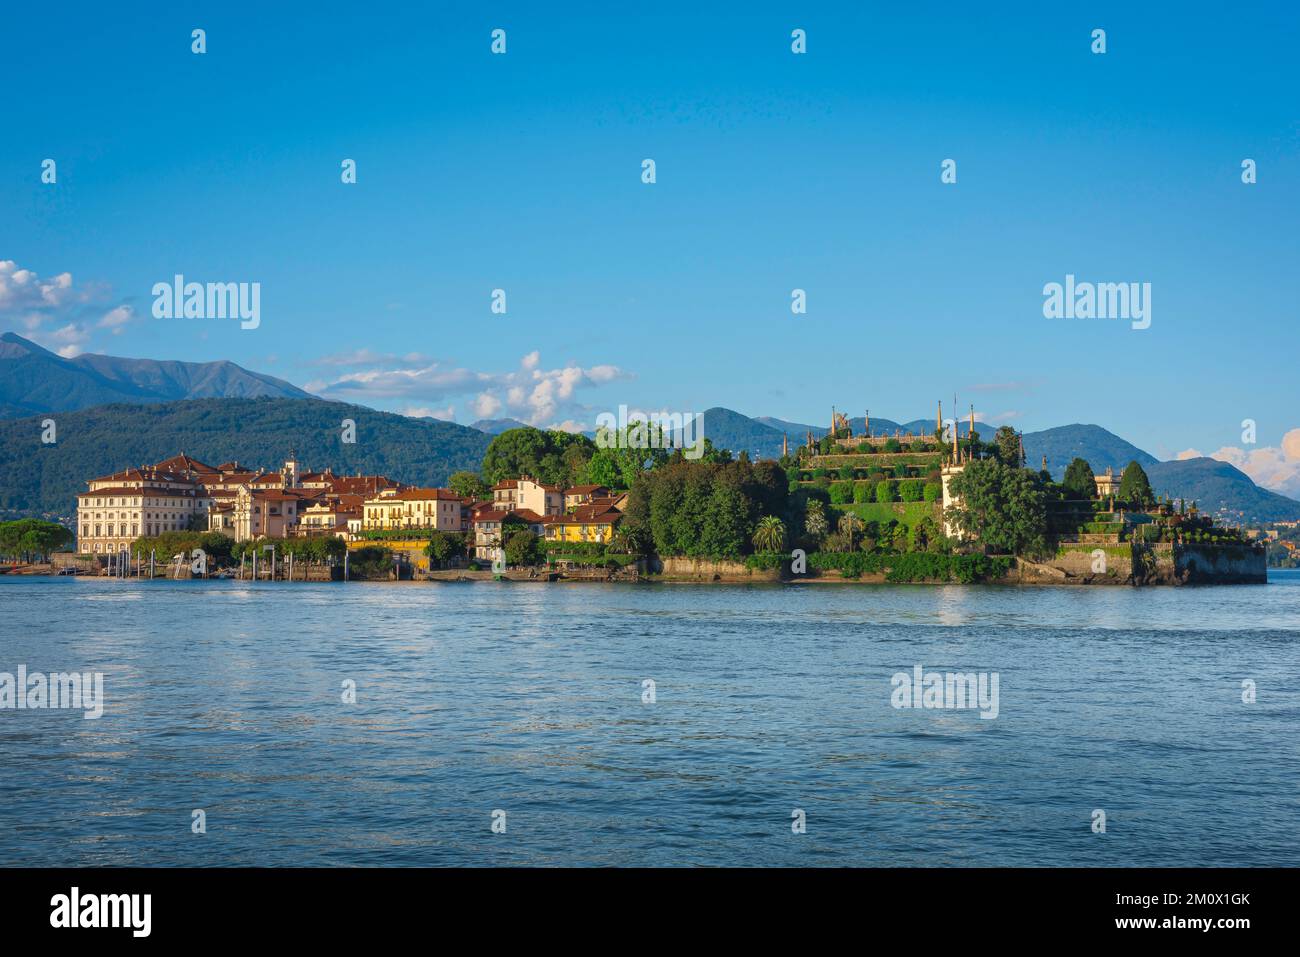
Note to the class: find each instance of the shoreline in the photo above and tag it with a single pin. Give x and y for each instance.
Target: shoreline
(759, 578)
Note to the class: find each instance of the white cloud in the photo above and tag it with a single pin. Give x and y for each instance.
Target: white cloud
(533, 394)
(116, 318)
(418, 412)
(1272, 467)
(486, 405)
(568, 425)
(56, 312)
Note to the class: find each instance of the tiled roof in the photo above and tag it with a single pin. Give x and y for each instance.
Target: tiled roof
(423, 494)
(127, 490)
(183, 462)
(589, 515)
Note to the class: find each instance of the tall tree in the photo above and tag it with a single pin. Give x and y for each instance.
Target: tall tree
(769, 534)
(1079, 482)
(469, 485)
(1134, 488)
(1007, 443)
(1004, 508)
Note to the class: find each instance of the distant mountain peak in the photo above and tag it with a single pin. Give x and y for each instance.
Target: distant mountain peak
(497, 426)
(34, 380)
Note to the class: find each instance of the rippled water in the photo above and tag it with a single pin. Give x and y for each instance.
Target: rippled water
(226, 696)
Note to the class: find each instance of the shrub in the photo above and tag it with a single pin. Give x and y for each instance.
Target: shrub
(910, 491)
(884, 492)
(861, 493)
(933, 492)
(841, 493)
(373, 560)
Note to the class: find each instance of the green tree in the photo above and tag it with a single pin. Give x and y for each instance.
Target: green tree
(469, 485)
(445, 545)
(1006, 442)
(1079, 482)
(884, 491)
(620, 458)
(32, 538)
(1004, 507)
(769, 534)
(522, 548)
(1134, 489)
(814, 521)
(513, 453)
(849, 528)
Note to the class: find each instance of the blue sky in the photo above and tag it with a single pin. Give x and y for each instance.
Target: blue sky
(775, 171)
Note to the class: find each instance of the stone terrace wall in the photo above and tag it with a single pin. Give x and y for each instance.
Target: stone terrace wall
(703, 570)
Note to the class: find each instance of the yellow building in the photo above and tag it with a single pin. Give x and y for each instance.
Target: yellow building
(422, 508)
(1108, 484)
(593, 524)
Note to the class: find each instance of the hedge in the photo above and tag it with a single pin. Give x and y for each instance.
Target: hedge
(913, 566)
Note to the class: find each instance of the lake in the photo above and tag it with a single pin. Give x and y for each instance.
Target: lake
(531, 699)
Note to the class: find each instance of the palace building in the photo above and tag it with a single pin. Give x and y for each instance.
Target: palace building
(184, 494)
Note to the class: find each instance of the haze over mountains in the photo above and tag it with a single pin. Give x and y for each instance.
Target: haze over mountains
(34, 382)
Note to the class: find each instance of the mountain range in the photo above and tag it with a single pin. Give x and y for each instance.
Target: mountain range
(41, 479)
(118, 412)
(34, 380)
(497, 426)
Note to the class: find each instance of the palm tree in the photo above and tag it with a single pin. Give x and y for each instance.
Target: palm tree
(849, 523)
(620, 542)
(769, 534)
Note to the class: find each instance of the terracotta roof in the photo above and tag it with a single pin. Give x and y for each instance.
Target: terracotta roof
(505, 484)
(423, 494)
(127, 490)
(588, 515)
(146, 474)
(501, 514)
(276, 495)
(361, 484)
(183, 462)
(585, 489)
